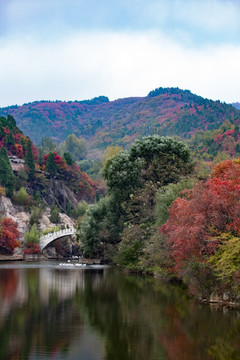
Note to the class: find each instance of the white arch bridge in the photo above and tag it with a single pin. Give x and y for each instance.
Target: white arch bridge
(47, 239)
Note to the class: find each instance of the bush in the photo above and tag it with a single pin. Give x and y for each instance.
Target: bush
(36, 214)
(32, 249)
(21, 197)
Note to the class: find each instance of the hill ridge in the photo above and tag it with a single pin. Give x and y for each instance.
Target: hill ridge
(164, 111)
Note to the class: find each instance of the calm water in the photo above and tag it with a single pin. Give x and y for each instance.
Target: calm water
(56, 310)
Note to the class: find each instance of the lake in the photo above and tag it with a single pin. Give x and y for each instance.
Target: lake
(62, 310)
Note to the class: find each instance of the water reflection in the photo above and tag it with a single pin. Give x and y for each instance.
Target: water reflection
(52, 312)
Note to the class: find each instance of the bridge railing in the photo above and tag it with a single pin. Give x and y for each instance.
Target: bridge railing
(45, 239)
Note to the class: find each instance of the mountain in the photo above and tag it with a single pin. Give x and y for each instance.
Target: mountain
(65, 186)
(222, 143)
(165, 111)
(236, 105)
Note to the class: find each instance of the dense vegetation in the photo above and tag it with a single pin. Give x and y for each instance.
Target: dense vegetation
(34, 181)
(163, 215)
(165, 111)
(127, 212)
(157, 219)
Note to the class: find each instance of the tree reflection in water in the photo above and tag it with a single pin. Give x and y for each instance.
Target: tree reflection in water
(104, 314)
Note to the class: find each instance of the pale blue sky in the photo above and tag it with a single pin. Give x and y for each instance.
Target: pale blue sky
(79, 49)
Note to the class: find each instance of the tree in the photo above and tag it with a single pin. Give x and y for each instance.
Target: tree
(9, 236)
(32, 238)
(29, 160)
(6, 173)
(211, 208)
(68, 158)
(1, 131)
(122, 174)
(22, 142)
(226, 260)
(9, 139)
(132, 179)
(166, 195)
(47, 146)
(54, 214)
(109, 152)
(51, 166)
(21, 197)
(76, 147)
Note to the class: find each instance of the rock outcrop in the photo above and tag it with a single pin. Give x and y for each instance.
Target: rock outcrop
(21, 217)
(55, 193)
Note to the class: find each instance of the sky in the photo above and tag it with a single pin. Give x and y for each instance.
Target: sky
(80, 49)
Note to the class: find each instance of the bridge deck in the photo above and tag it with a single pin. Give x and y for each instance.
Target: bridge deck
(47, 239)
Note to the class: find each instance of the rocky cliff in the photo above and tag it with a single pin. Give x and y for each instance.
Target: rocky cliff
(21, 217)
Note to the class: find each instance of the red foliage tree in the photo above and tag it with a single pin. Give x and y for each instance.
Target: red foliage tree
(9, 236)
(208, 209)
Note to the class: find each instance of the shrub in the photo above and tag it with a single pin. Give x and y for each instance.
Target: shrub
(36, 214)
(21, 197)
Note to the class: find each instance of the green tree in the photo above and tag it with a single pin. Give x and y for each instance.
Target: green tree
(76, 147)
(9, 139)
(166, 195)
(68, 158)
(51, 166)
(132, 178)
(22, 142)
(32, 236)
(47, 146)
(1, 131)
(109, 152)
(69, 209)
(226, 260)
(54, 214)
(35, 217)
(29, 160)
(6, 173)
(21, 197)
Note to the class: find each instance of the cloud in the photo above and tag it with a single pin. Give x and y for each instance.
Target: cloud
(197, 22)
(117, 65)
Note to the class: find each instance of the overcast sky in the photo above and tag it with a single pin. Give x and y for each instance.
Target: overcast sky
(79, 49)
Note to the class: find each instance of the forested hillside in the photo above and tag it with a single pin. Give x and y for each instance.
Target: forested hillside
(26, 170)
(159, 217)
(165, 111)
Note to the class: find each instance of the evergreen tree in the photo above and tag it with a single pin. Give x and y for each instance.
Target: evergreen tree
(11, 122)
(68, 158)
(69, 209)
(23, 143)
(9, 139)
(29, 160)
(54, 214)
(6, 172)
(51, 166)
(1, 131)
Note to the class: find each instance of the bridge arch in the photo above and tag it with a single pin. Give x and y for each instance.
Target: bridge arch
(47, 239)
